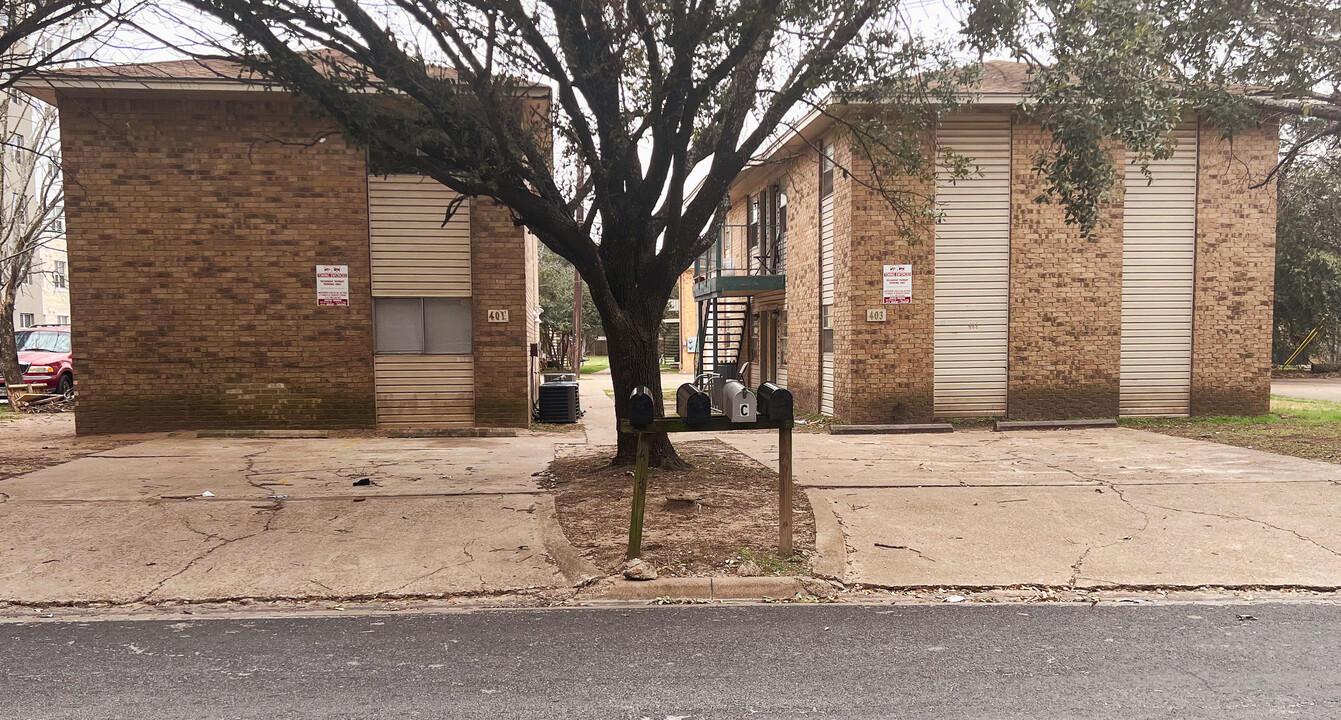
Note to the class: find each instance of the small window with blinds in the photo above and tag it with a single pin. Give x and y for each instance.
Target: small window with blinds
(422, 326)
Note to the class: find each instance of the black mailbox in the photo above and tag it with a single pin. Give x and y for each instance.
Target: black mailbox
(642, 406)
(692, 405)
(774, 403)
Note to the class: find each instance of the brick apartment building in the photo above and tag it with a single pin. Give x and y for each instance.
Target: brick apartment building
(1167, 311)
(202, 207)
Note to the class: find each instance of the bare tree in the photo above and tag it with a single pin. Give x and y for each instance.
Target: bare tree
(652, 99)
(38, 34)
(31, 206)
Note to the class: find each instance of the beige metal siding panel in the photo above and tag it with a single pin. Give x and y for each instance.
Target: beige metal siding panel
(826, 298)
(425, 391)
(826, 383)
(413, 253)
(826, 250)
(1158, 268)
(972, 283)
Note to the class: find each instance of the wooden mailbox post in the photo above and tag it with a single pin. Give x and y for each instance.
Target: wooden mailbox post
(717, 423)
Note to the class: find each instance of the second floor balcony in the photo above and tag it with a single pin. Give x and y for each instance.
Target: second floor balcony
(717, 274)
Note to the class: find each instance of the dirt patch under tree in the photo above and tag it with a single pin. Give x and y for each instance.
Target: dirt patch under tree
(733, 516)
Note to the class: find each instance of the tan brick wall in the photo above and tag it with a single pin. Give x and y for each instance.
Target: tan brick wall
(1235, 273)
(799, 178)
(1065, 300)
(1066, 293)
(499, 281)
(688, 319)
(194, 231)
(884, 370)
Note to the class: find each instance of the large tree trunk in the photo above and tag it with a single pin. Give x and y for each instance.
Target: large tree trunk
(9, 353)
(634, 361)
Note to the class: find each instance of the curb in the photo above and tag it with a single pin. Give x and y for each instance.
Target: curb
(830, 560)
(1001, 425)
(891, 429)
(705, 588)
(265, 434)
(576, 569)
(452, 433)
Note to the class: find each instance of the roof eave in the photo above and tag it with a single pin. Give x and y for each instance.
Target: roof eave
(46, 86)
(819, 120)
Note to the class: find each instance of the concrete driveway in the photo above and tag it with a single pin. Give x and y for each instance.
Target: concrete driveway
(1090, 508)
(438, 517)
(1308, 388)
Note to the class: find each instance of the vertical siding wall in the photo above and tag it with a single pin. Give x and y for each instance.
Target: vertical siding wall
(416, 255)
(195, 228)
(973, 241)
(826, 288)
(1159, 241)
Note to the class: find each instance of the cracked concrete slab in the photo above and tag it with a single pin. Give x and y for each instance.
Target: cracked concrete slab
(256, 469)
(1094, 508)
(983, 536)
(107, 551)
(441, 516)
(391, 546)
(1243, 535)
(1044, 458)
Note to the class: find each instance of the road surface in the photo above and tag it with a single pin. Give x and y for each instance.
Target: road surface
(1308, 388)
(986, 661)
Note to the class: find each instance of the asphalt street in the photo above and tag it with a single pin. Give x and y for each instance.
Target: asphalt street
(985, 661)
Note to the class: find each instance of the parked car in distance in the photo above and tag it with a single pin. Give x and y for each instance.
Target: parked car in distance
(44, 357)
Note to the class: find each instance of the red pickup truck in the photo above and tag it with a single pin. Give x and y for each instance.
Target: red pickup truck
(44, 357)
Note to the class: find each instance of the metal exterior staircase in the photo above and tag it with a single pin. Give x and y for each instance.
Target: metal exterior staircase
(721, 334)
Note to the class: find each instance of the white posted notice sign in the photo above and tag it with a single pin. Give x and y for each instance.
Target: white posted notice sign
(898, 284)
(333, 286)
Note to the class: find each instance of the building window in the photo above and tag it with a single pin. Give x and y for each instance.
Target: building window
(26, 320)
(782, 339)
(826, 329)
(60, 279)
(774, 228)
(826, 172)
(422, 326)
(752, 231)
(62, 319)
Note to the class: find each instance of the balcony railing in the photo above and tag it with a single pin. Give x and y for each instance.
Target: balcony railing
(766, 272)
(768, 258)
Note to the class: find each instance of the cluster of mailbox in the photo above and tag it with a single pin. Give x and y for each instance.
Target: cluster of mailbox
(729, 397)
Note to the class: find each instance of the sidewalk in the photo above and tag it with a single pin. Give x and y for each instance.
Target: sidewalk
(440, 517)
(599, 421)
(1088, 509)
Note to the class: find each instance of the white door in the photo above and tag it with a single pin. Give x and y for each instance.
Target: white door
(972, 267)
(1159, 226)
